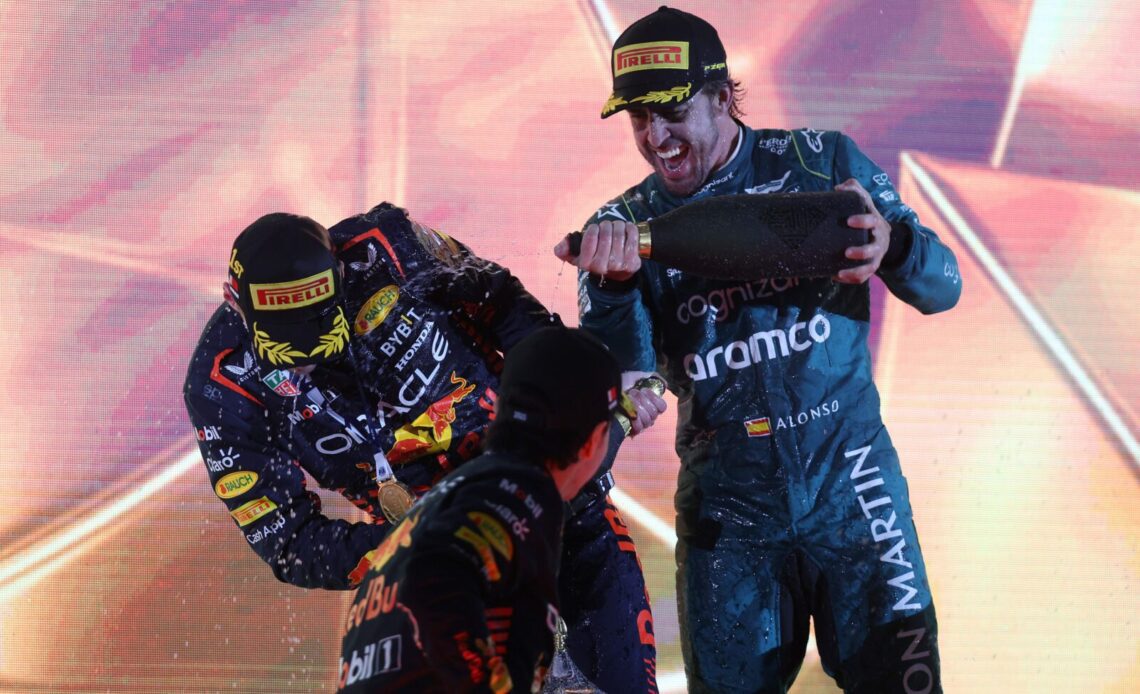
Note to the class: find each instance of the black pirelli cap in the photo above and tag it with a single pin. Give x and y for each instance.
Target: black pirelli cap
(664, 59)
(287, 283)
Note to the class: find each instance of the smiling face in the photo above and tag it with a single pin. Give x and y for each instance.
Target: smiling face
(685, 144)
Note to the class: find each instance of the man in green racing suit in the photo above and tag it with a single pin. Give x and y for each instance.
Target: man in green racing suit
(790, 501)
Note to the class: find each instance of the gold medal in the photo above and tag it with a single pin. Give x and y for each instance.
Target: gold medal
(395, 499)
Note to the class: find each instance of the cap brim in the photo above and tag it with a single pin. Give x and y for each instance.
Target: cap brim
(286, 345)
(648, 95)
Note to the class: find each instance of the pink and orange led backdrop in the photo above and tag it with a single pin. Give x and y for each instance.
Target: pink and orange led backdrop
(137, 138)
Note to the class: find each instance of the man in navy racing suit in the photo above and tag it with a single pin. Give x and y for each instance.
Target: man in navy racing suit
(463, 594)
(376, 344)
(790, 501)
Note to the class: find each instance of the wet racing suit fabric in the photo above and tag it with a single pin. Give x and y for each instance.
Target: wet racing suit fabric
(463, 595)
(429, 322)
(790, 498)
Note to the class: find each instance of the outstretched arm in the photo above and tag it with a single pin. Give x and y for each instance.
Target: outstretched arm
(264, 490)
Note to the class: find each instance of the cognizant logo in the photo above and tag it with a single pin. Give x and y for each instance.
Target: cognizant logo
(776, 344)
(721, 303)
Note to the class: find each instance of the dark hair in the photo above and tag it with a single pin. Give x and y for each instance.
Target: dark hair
(537, 446)
(738, 93)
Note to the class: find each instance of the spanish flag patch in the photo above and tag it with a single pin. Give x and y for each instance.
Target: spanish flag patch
(758, 427)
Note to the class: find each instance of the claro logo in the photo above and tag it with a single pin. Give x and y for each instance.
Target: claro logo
(760, 346)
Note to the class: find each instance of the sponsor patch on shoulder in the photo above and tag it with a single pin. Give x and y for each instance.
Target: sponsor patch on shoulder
(494, 532)
(376, 309)
(235, 484)
(439, 244)
(251, 511)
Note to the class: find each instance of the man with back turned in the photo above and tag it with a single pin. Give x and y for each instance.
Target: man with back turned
(791, 505)
(463, 594)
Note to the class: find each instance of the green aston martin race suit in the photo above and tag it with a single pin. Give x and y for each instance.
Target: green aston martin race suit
(790, 498)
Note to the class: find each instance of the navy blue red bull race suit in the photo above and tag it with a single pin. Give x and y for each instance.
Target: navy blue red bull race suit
(430, 321)
(790, 498)
(462, 595)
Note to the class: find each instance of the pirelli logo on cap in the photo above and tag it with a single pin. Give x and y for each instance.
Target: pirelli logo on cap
(249, 512)
(758, 427)
(285, 295)
(655, 55)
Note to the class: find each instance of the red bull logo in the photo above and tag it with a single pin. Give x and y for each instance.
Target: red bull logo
(379, 598)
(400, 537)
(430, 432)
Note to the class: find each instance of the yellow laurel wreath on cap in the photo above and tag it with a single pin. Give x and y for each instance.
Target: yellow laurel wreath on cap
(275, 352)
(664, 96)
(333, 341)
(612, 103)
